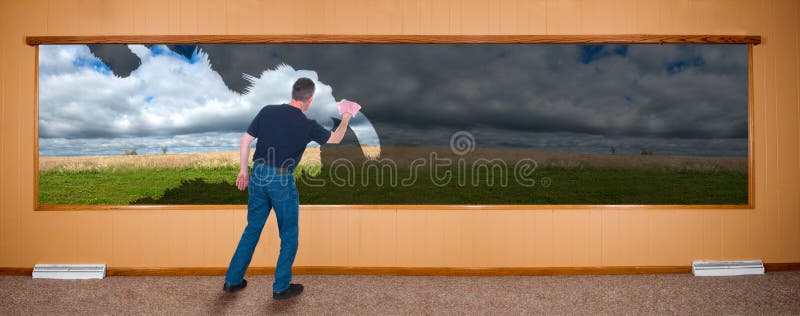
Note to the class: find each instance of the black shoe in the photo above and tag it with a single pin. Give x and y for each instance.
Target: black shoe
(293, 290)
(233, 288)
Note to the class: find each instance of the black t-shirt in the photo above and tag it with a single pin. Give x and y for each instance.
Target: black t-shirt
(283, 132)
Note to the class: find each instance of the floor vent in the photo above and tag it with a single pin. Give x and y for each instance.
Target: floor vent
(69, 271)
(723, 268)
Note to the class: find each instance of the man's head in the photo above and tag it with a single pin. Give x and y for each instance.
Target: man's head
(303, 92)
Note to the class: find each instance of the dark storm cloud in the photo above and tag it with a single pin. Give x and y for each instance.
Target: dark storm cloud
(690, 91)
(639, 90)
(632, 92)
(117, 57)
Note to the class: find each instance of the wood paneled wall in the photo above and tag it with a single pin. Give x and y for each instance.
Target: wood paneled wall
(411, 238)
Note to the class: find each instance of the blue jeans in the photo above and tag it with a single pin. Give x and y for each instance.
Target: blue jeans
(267, 189)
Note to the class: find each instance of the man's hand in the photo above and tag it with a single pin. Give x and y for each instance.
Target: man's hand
(244, 156)
(241, 180)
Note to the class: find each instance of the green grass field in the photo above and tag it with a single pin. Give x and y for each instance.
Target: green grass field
(586, 185)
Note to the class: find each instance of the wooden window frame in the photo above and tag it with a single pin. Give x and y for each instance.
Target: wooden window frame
(750, 40)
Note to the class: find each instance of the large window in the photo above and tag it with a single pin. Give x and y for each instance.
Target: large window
(486, 124)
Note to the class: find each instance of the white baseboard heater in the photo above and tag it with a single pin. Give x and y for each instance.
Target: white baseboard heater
(69, 271)
(724, 268)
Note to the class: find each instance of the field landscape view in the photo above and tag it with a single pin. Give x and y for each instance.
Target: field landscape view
(439, 124)
(559, 178)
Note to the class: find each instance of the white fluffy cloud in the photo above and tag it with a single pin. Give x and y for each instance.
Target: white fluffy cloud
(167, 98)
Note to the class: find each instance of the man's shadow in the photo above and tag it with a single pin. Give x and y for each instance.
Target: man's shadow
(278, 307)
(198, 191)
(221, 303)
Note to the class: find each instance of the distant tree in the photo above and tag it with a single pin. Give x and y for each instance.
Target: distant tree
(164, 149)
(613, 149)
(646, 152)
(131, 152)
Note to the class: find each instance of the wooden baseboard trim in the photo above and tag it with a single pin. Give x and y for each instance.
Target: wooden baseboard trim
(16, 271)
(447, 271)
(428, 271)
(781, 266)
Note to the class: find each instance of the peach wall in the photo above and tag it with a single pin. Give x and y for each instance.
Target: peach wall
(426, 238)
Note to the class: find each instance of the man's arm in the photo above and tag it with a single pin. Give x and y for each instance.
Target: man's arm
(337, 135)
(244, 157)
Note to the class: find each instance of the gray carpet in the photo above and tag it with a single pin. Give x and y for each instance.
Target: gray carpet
(772, 293)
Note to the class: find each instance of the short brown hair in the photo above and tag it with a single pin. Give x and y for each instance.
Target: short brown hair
(303, 89)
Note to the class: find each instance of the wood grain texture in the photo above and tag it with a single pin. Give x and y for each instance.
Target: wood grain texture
(426, 236)
(751, 137)
(431, 271)
(397, 39)
(428, 271)
(4, 246)
(36, 131)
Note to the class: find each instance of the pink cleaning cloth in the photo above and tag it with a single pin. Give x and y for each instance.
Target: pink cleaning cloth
(347, 106)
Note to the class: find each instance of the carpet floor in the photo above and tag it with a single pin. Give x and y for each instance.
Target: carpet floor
(775, 293)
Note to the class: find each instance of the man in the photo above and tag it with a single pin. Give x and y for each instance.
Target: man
(283, 131)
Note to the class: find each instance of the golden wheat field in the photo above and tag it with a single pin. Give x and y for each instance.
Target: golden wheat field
(402, 156)
(311, 157)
